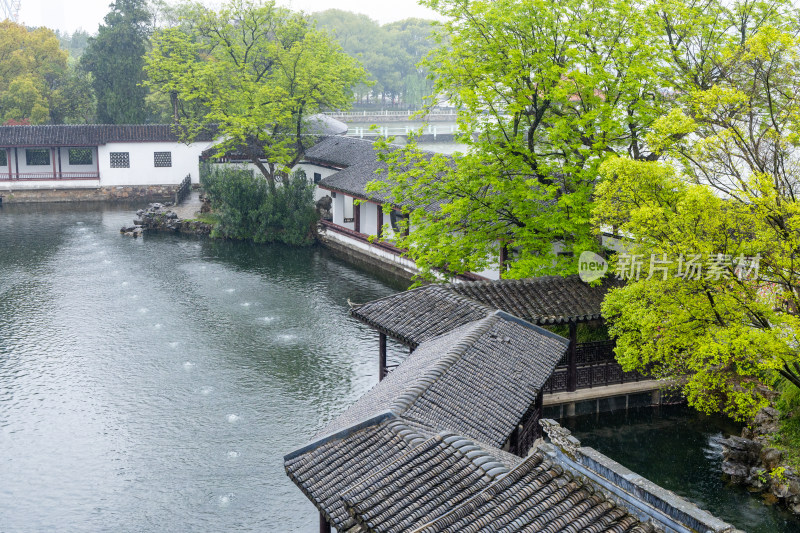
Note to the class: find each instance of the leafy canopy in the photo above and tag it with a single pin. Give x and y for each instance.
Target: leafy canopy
(545, 93)
(254, 71)
(32, 65)
(727, 191)
(115, 58)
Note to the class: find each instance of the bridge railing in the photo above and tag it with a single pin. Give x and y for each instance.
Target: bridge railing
(183, 189)
(387, 113)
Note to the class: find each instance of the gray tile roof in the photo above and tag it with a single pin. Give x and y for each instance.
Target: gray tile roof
(88, 134)
(324, 470)
(437, 475)
(536, 495)
(542, 300)
(414, 316)
(339, 151)
(359, 165)
(477, 380)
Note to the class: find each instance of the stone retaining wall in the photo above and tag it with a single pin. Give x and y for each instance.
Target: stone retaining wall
(90, 194)
(750, 461)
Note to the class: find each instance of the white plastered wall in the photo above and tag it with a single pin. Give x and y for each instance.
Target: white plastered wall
(142, 171)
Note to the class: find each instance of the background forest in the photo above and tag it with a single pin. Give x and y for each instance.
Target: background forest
(53, 77)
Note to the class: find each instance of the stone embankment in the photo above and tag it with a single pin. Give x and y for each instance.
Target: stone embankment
(160, 217)
(750, 461)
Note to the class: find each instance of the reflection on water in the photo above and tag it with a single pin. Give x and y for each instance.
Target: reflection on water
(679, 449)
(155, 384)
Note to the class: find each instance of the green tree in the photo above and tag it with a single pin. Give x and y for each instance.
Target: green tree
(720, 216)
(115, 58)
(73, 100)
(32, 65)
(390, 53)
(256, 72)
(545, 93)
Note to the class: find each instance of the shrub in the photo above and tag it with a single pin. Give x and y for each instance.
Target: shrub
(247, 209)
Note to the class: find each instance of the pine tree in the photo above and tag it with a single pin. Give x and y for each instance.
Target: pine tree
(116, 59)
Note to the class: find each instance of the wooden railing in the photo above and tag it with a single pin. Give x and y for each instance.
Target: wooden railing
(528, 430)
(595, 366)
(43, 176)
(183, 189)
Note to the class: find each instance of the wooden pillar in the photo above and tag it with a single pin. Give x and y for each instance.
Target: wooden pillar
(8, 160)
(53, 157)
(356, 216)
(60, 172)
(539, 408)
(572, 361)
(16, 160)
(381, 356)
(379, 231)
(503, 258)
(324, 526)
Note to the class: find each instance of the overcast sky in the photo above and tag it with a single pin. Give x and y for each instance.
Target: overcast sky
(88, 14)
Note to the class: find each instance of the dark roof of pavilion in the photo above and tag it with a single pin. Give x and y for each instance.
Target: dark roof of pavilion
(536, 495)
(477, 380)
(339, 151)
(388, 475)
(90, 134)
(419, 314)
(427, 481)
(359, 166)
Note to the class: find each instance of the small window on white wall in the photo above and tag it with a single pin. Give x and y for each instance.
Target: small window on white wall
(120, 160)
(80, 156)
(37, 156)
(348, 208)
(162, 159)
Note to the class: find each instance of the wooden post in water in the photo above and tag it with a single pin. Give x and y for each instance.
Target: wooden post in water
(572, 361)
(381, 356)
(324, 526)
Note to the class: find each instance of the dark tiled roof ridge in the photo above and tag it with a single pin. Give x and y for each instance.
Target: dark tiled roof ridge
(439, 287)
(406, 400)
(529, 325)
(395, 423)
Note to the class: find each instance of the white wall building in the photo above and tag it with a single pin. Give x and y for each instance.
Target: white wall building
(342, 167)
(85, 156)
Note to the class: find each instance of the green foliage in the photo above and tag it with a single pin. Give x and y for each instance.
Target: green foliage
(32, 66)
(390, 53)
(551, 90)
(728, 191)
(246, 208)
(74, 43)
(115, 58)
(787, 439)
(254, 71)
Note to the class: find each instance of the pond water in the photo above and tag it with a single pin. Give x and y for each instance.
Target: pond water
(679, 449)
(155, 384)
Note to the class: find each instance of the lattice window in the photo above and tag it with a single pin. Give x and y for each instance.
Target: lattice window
(162, 159)
(120, 160)
(3, 157)
(37, 156)
(80, 156)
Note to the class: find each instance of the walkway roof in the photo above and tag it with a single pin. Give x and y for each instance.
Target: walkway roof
(414, 316)
(478, 380)
(89, 134)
